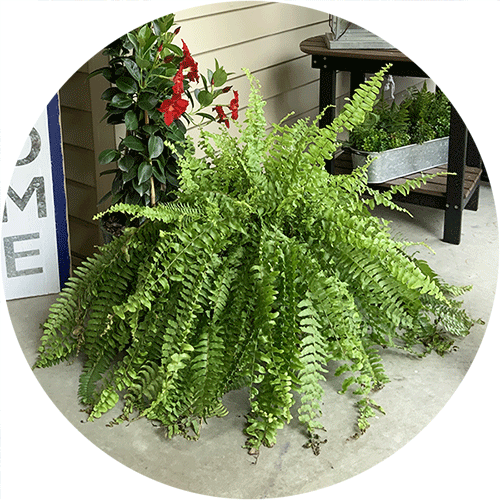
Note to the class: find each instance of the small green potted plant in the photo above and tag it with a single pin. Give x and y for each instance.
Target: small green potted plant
(404, 138)
(263, 269)
(151, 96)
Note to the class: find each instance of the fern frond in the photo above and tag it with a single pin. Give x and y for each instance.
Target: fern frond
(313, 360)
(166, 213)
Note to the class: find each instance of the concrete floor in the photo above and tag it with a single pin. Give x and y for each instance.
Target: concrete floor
(216, 465)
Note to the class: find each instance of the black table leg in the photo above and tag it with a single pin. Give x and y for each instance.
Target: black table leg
(474, 158)
(357, 78)
(455, 182)
(473, 203)
(327, 92)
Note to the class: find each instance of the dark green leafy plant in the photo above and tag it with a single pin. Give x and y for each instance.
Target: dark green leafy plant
(421, 117)
(263, 270)
(151, 93)
(429, 115)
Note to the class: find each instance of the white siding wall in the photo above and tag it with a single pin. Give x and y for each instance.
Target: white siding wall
(84, 137)
(261, 36)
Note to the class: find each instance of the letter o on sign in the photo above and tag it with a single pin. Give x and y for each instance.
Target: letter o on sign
(36, 144)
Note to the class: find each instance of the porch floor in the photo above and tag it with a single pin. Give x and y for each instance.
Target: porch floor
(217, 465)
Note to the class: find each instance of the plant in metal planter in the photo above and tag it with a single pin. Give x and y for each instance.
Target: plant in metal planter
(263, 270)
(405, 138)
(150, 94)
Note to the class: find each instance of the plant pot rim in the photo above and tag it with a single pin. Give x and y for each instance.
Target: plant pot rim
(400, 162)
(368, 153)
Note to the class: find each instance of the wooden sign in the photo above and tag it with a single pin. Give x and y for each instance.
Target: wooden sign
(35, 247)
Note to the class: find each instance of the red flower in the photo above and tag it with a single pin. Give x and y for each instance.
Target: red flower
(189, 63)
(193, 72)
(178, 87)
(173, 108)
(221, 116)
(233, 105)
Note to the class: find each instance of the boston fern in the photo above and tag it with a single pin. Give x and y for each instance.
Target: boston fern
(263, 270)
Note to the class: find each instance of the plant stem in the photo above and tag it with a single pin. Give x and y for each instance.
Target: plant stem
(153, 194)
(152, 180)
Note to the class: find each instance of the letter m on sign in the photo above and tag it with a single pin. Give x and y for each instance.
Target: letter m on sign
(36, 185)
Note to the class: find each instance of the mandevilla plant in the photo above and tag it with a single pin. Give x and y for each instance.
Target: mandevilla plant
(264, 269)
(151, 93)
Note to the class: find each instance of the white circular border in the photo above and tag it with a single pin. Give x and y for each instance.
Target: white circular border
(43, 43)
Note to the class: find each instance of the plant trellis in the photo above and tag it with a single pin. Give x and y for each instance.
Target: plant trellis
(263, 270)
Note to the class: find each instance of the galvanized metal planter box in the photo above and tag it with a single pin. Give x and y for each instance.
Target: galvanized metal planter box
(406, 160)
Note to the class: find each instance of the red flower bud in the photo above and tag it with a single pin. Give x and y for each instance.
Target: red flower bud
(185, 49)
(225, 90)
(233, 105)
(221, 116)
(176, 32)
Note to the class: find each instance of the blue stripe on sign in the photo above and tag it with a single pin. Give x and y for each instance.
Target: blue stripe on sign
(56, 158)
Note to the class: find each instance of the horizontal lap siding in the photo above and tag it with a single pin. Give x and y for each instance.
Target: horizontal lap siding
(261, 36)
(83, 139)
(75, 93)
(210, 10)
(211, 33)
(80, 165)
(402, 84)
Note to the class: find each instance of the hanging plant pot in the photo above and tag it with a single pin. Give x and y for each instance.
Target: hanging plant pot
(406, 160)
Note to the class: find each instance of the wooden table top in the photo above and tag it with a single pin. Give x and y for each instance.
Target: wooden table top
(316, 46)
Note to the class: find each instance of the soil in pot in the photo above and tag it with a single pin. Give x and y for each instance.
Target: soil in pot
(112, 226)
